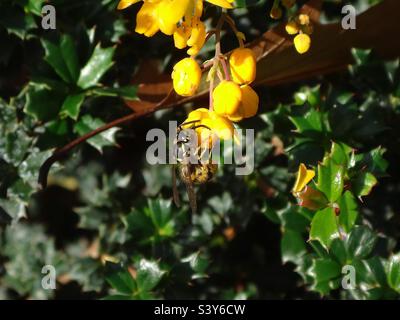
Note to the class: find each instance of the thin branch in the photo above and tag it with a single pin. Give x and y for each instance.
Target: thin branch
(59, 153)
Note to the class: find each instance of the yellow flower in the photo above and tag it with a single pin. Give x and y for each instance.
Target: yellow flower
(186, 77)
(243, 65)
(227, 4)
(292, 28)
(304, 176)
(209, 124)
(249, 105)
(227, 97)
(147, 20)
(302, 43)
(181, 35)
(165, 15)
(123, 4)
(170, 12)
(220, 126)
(197, 37)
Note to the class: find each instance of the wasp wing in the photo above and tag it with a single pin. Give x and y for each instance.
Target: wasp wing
(174, 187)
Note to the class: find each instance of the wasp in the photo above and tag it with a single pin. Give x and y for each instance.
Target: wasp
(191, 172)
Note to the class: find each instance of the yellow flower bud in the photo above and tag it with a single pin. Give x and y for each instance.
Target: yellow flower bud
(227, 97)
(292, 28)
(186, 77)
(243, 65)
(303, 19)
(302, 43)
(146, 19)
(249, 105)
(250, 101)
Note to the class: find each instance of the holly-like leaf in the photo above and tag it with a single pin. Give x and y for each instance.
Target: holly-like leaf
(87, 124)
(292, 246)
(96, 67)
(43, 104)
(120, 279)
(324, 271)
(363, 183)
(348, 211)
(54, 57)
(309, 122)
(393, 273)
(330, 179)
(70, 56)
(127, 92)
(324, 227)
(148, 275)
(72, 105)
(340, 154)
(360, 242)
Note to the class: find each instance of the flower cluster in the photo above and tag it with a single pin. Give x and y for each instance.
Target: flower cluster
(177, 18)
(302, 27)
(231, 100)
(231, 97)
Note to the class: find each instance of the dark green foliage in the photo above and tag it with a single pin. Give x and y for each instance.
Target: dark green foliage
(107, 222)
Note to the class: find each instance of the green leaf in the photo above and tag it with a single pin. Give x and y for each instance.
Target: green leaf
(338, 251)
(120, 279)
(14, 146)
(309, 122)
(87, 124)
(294, 218)
(324, 271)
(393, 273)
(148, 275)
(307, 94)
(330, 179)
(292, 246)
(363, 183)
(29, 168)
(160, 212)
(70, 56)
(127, 92)
(340, 153)
(198, 263)
(324, 227)
(43, 104)
(348, 211)
(361, 242)
(72, 105)
(96, 67)
(54, 57)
